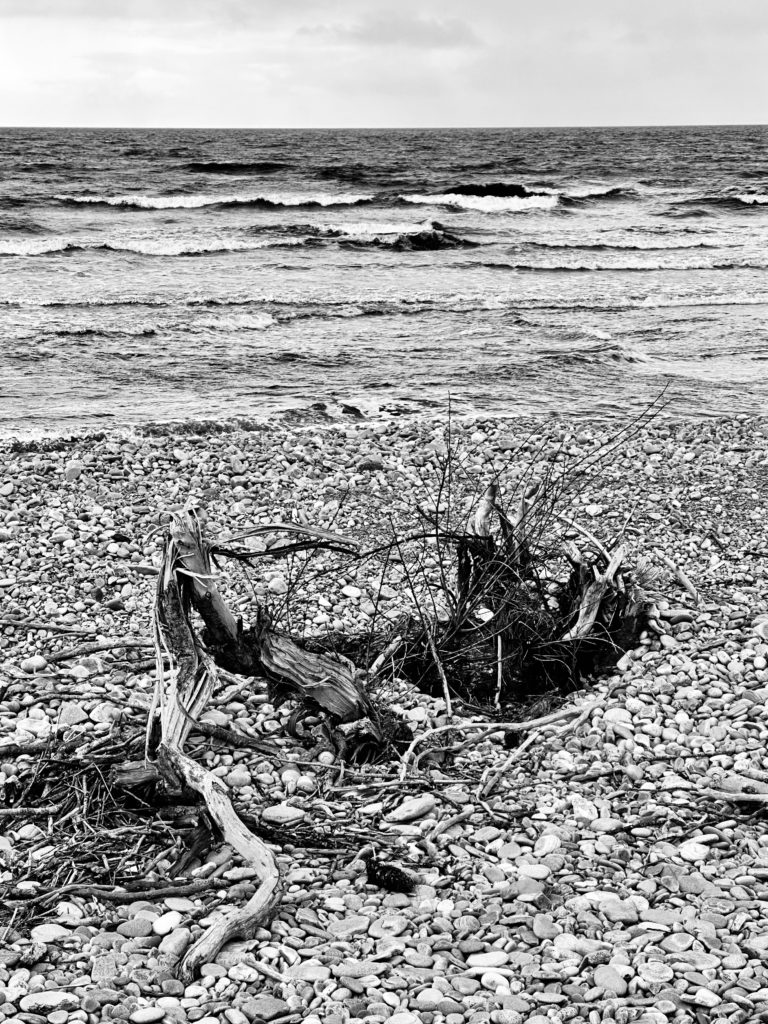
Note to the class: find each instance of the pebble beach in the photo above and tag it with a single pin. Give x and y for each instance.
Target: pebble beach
(604, 873)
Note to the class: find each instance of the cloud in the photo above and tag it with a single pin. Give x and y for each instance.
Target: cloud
(399, 30)
(294, 63)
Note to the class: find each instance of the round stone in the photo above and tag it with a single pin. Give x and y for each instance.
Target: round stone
(393, 925)
(655, 972)
(609, 979)
(493, 958)
(693, 851)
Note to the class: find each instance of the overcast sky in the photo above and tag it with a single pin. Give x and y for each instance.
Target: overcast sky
(318, 63)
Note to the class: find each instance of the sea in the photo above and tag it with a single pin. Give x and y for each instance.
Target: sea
(195, 275)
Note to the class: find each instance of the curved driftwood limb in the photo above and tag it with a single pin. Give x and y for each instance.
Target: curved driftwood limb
(182, 695)
(680, 576)
(242, 922)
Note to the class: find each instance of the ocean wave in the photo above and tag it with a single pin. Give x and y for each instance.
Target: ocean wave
(485, 204)
(533, 268)
(237, 321)
(413, 241)
(429, 235)
(739, 203)
(237, 167)
(591, 195)
(158, 249)
(617, 246)
(97, 332)
(608, 353)
(195, 202)
(397, 236)
(499, 189)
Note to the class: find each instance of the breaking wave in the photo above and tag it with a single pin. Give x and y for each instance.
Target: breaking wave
(499, 189)
(400, 237)
(195, 202)
(609, 353)
(485, 204)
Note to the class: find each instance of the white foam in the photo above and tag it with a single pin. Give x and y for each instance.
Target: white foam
(193, 202)
(371, 229)
(486, 204)
(753, 199)
(32, 246)
(232, 321)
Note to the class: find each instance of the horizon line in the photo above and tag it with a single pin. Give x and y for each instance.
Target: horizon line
(376, 128)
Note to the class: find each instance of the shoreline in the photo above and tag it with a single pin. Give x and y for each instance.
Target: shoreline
(597, 876)
(340, 414)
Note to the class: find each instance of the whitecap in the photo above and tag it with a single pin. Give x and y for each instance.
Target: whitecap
(486, 204)
(753, 198)
(193, 202)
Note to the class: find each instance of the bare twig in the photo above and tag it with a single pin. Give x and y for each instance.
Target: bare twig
(95, 648)
(680, 576)
(489, 728)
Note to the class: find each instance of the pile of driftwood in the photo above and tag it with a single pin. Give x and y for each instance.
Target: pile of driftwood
(520, 616)
(523, 610)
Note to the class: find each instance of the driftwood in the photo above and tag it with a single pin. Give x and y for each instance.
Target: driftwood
(328, 680)
(507, 621)
(181, 696)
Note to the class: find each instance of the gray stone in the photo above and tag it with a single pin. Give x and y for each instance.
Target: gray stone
(388, 925)
(36, 663)
(544, 927)
(104, 968)
(174, 945)
(147, 1014)
(310, 971)
(48, 1001)
(610, 980)
(411, 808)
(360, 968)
(238, 778)
(346, 927)
(493, 958)
(283, 814)
(166, 923)
(619, 911)
(72, 714)
(49, 933)
(655, 972)
(264, 1008)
